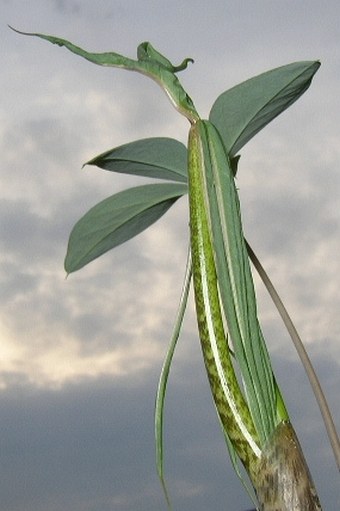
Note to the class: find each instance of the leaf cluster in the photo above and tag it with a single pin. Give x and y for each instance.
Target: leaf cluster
(238, 114)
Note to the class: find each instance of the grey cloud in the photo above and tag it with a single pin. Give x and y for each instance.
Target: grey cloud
(67, 7)
(69, 443)
(90, 445)
(23, 231)
(38, 137)
(12, 279)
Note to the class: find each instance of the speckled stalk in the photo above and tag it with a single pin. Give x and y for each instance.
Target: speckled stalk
(230, 403)
(277, 469)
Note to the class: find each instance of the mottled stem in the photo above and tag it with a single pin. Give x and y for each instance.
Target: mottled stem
(230, 403)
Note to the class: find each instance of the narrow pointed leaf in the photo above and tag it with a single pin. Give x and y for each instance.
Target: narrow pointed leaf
(242, 111)
(236, 286)
(118, 219)
(162, 158)
(150, 63)
(163, 380)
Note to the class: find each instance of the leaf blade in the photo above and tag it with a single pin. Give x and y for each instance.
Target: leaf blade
(150, 63)
(159, 157)
(118, 219)
(242, 111)
(163, 380)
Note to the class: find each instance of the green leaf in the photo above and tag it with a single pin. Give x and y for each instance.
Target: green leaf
(241, 112)
(150, 63)
(162, 158)
(118, 219)
(163, 380)
(236, 286)
(147, 52)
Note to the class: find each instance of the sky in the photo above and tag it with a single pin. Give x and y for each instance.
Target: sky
(80, 357)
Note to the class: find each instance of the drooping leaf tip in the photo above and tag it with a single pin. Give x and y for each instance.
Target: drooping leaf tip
(20, 31)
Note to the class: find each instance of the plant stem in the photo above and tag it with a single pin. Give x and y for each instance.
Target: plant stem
(284, 482)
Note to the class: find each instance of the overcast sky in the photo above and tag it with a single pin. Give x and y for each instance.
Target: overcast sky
(80, 358)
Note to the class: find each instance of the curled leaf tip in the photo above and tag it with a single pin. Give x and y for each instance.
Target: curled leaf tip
(184, 64)
(146, 51)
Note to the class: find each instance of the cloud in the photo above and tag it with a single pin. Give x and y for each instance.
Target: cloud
(69, 8)
(78, 330)
(90, 445)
